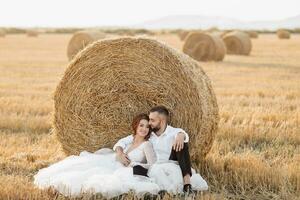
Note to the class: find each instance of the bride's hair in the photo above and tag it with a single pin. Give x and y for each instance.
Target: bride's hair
(135, 123)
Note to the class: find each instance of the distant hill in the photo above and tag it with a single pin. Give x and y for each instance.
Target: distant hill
(204, 22)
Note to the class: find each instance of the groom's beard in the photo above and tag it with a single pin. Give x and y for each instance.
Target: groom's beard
(155, 129)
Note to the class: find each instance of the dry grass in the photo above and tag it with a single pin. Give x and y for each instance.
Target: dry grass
(2, 33)
(256, 154)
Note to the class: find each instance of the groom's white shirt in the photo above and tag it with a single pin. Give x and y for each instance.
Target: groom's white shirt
(162, 144)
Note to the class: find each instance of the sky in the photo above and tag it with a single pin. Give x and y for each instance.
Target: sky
(87, 13)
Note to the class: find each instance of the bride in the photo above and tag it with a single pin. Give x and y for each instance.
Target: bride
(102, 172)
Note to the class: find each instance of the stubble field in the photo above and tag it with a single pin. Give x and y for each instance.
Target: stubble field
(256, 153)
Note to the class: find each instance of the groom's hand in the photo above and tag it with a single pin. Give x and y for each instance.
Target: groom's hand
(179, 142)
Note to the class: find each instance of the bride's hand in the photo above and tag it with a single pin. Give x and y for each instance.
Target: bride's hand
(123, 158)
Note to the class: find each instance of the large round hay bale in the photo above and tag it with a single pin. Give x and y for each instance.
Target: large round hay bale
(80, 40)
(204, 47)
(112, 80)
(253, 34)
(32, 33)
(283, 34)
(237, 42)
(2, 33)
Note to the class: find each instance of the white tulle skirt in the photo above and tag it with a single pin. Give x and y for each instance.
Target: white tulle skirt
(99, 172)
(168, 176)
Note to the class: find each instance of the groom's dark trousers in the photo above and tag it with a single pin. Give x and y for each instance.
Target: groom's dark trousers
(183, 158)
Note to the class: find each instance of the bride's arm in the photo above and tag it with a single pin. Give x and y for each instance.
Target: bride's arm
(150, 153)
(150, 156)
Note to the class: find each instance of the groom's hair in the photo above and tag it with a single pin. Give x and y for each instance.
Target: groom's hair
(161, 110)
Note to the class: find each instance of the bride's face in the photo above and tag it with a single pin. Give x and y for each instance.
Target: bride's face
(143, 128)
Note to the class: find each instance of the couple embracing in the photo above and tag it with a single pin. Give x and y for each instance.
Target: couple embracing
(154, 158)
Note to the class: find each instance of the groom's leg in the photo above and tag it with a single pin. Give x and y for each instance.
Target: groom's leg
(139, 170)
(183, 158)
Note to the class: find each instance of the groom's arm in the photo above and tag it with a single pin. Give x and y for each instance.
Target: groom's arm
(122, 143)
(119, 147)
(184, 135)
(181, 137)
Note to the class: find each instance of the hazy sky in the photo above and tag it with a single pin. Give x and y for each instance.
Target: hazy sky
(60, 13)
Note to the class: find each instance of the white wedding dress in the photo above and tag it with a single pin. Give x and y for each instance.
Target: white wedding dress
(100, 172)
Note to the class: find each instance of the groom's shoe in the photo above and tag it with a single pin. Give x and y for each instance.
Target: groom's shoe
(162, 193)
(188, 191)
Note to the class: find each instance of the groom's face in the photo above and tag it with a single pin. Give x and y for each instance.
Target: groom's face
(155, 121)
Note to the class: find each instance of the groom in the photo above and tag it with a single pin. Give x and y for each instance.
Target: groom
(169, 143)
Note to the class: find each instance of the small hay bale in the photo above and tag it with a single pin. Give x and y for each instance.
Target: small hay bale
(238, 43)
(127, 33)
(32, 33)
(2, 33)
(162, 32)
(80, 40)
(112, 80)
(182, 35)
(253, 34)
(204, 47)
(219, 33)
(213, 29)
(283, 34)
(150, 33)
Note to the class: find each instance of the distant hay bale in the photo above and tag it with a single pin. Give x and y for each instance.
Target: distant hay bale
(238, 43)
(112, 80)
(80, 40)
(32, 33)
(213, 29)
(218, 33)
(283, 34)
(204, 47)
(162, 32)
(150, 33)
(127, 33)
(182, 35)
(252, 34)
(2, 33)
